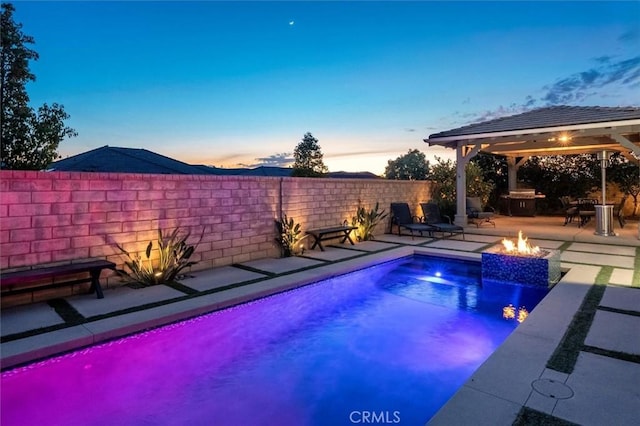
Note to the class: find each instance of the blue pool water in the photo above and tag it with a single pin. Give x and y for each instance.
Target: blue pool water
(393, 342)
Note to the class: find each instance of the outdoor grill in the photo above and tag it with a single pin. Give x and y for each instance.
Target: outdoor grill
(521, 202)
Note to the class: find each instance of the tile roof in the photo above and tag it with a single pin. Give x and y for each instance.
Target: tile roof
(109, 159)
(554, 116)
(256, 171)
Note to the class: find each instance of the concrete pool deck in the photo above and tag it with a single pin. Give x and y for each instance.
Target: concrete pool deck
(602, 389)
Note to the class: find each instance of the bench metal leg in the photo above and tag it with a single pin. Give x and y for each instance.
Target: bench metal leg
(95, 283)
(347, 236)
(316, 242)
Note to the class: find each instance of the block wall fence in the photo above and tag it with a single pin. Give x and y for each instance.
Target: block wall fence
(61, 217)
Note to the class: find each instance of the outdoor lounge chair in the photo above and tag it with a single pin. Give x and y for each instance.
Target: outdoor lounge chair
(477, 215)
(402, 218)
(433, 217)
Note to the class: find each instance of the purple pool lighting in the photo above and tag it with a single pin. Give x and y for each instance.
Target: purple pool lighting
(394, 341)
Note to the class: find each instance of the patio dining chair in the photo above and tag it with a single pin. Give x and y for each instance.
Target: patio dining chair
(586, 210)
(570, 211)
(433, 217)
(618, 212)
(402, 218)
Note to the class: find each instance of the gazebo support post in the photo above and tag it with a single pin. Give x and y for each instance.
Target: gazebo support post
(512, 173)
(463, 155)
(513, 164)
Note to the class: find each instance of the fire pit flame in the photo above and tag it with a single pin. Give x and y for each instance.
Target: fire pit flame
(521, 247)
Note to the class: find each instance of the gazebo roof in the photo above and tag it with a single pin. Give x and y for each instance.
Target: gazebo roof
(550, 130)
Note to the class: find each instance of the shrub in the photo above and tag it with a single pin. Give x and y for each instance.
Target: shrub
(366, 221)
(174, 254)
(289, 236)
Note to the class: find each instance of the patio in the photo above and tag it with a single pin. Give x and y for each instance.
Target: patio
(495, 394)
(552, 227)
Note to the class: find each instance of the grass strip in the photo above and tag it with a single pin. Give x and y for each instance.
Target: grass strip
(67, 312)
(565, 245)
(612, 354)
(182, 288)
(251, 269)
(636, 268)
(566, 354)
(619, 311)
(528, 416)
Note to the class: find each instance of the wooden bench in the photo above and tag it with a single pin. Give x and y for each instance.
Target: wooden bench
(93, 267)
(331, 233)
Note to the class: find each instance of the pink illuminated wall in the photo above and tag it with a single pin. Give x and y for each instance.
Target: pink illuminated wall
(61, 216)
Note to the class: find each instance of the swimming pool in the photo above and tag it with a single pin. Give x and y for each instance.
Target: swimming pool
(392, 342)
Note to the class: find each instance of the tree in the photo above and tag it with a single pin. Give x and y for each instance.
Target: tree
(477, 183)
(308, 158)
(561, 175)
(28, 139)
(494, 170)
(627, 175)
(443, 175)
(411, 166)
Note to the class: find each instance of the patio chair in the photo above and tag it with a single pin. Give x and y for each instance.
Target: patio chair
(402, 218)
(477, 215)
(570, 211)
(433, 217)
(586, 210)
(617, 212)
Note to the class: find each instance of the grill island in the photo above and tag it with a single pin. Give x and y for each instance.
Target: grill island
(521, 202)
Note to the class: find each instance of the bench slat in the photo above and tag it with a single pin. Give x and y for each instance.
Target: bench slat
(331, 230)
(94, 268)
(10, 278)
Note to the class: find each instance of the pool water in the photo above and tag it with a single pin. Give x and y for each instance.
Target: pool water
(390, 343)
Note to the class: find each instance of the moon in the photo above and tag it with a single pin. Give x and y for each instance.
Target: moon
(291, 23)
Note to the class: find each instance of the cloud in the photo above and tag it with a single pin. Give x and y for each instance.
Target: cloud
(283, 159)
(363, 153)
(607, 73)
(604, 79)
(630, 36)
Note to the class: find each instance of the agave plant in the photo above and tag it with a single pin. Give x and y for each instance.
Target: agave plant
(173, 257)
(366, 221)
(290, 235)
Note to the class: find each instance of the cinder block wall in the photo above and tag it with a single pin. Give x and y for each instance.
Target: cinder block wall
(60, 217)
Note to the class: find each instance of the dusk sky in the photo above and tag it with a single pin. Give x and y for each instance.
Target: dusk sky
(239, 83)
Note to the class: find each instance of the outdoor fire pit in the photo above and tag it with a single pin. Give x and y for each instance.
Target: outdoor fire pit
(519, 262)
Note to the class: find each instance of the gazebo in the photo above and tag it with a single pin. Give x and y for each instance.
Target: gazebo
(557, 130)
